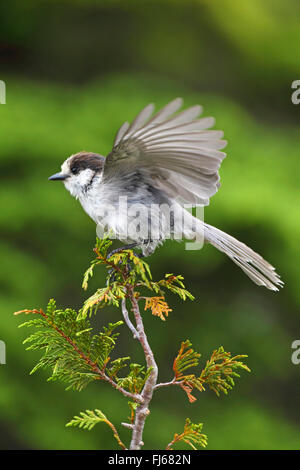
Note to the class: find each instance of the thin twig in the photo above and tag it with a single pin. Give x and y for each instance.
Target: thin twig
(134, 396)
(127, 320)
(127, 425)
(116, 435)
(142, 411)
(167, 384)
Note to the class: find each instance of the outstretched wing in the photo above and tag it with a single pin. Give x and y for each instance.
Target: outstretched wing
(178, 152)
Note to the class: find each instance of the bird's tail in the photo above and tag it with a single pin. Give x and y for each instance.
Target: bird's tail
(259, 270)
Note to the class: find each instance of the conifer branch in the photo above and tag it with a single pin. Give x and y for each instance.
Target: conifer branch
(95, 368)
(142, 411)
(167, 384)
(88, 419)
(127, 320)
(78, 356)
(218, 373)
(191, 435)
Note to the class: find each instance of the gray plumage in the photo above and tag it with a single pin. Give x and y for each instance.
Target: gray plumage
(172, 159)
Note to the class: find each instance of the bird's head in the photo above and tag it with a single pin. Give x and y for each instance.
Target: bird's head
(79, 172)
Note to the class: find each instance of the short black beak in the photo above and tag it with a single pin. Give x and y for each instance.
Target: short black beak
(58, 176)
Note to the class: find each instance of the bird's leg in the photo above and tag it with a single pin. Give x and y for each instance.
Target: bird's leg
(138, 255)
(111, 271)
(128, 265)
(121, 248)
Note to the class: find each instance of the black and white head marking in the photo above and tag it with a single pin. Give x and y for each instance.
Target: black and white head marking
(82, 169)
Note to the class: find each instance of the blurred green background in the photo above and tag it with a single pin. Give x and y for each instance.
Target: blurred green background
(75, 71)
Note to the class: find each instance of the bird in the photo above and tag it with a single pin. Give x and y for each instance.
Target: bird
(169, 160)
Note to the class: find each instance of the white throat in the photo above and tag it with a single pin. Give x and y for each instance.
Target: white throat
(79, 184)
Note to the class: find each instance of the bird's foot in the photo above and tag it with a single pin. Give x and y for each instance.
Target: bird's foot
(122, 248)
(112, 272)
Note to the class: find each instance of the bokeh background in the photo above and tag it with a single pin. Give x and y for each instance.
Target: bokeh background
(75, 71)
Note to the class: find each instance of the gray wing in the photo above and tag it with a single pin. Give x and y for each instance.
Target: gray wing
(180, 154)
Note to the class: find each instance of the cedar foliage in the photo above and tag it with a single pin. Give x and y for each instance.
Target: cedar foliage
(77, 355)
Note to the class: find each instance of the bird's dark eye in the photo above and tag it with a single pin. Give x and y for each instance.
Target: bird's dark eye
(74, 170)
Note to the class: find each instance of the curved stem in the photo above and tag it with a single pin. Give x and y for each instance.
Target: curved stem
(127, 320)
(142, 411)
(167, 384)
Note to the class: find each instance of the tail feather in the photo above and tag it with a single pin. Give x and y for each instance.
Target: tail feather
(259, 270)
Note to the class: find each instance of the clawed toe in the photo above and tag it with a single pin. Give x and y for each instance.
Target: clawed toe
(112, 272)
(122, 248)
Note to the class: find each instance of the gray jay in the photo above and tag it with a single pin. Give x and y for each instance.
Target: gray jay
(166, 160)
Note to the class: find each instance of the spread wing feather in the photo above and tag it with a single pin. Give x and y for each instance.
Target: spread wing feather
(177, 150)
(181, 156)
(121, 132)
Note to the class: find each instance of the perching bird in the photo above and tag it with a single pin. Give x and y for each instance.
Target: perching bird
(169, 160)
